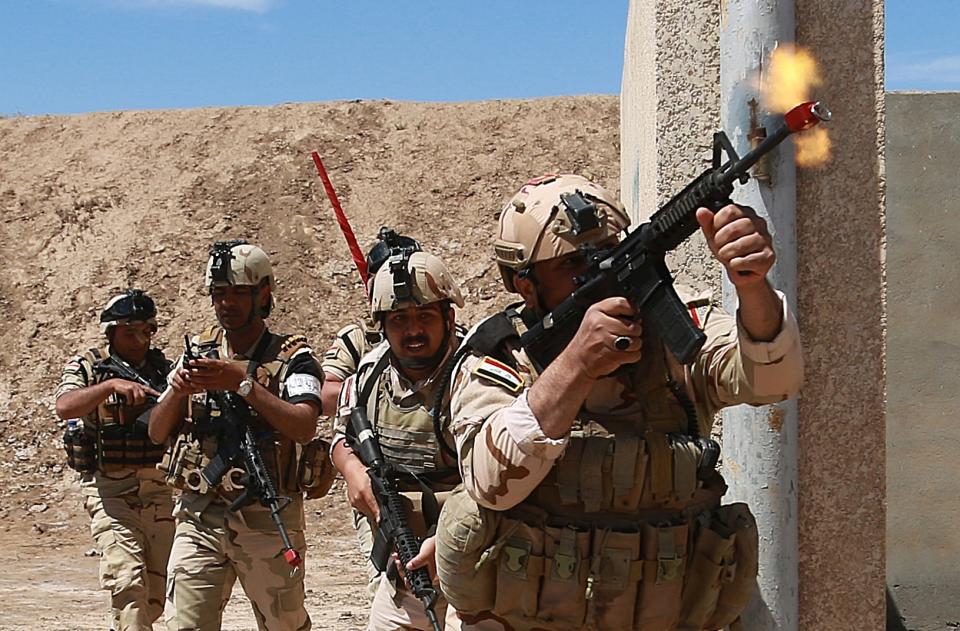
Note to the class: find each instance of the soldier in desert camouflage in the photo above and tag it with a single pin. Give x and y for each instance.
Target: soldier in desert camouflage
(589, 499)
(128, 503)
(279, 379)
(340, 361)
(413, 300)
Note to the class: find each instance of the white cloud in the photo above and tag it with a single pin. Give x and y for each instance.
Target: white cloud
(943, 70)
(258, 6)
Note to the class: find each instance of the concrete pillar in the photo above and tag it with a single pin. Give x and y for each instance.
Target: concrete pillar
(760, 444)
(840, 279)
(670, 106)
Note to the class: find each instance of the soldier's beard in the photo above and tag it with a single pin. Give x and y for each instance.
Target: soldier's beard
(425, 363)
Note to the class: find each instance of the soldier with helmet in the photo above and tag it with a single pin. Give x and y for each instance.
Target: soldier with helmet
(355, 340)
(590, 497)
(278, 380)
(340, 361)
(105, 394)
(412, 297)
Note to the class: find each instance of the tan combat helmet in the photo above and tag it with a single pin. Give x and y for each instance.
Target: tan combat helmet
(410, 280)
(551, 216)
(133, 305)
(239, 263)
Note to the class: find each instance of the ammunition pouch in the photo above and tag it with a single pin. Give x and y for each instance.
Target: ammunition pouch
(122, 447)
(694, 570)
(624, 474)
(110, 447)
(80, 447)
(289, 465)
(315, 473)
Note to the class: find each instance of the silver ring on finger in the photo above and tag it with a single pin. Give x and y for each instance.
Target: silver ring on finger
(622, 343)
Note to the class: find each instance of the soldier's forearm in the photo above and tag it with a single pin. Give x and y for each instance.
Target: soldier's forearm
(296, 421)
(77, 403)
(556, 397)
(761, 311)
(167, 416)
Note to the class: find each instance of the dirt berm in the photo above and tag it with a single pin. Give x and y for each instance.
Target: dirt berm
(93, 204)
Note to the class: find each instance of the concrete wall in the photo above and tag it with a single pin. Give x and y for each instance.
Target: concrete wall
(669, 109)
(923, 358)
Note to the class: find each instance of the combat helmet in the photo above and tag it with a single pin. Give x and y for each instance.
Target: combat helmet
(551, 216)
(239, 264)
(389, 243)
(410, 279)
(133, 305)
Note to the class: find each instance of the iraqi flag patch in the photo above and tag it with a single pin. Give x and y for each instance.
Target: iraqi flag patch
(499, 373)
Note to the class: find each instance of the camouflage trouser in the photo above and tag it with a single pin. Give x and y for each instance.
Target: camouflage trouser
(133, 533)
(211, 551)
(365, 539)
(396, 610)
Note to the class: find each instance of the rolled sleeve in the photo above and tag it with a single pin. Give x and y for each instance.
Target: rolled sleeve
(504, 454)
(524, 428)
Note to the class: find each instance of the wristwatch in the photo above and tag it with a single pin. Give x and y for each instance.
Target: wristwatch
(245, 387)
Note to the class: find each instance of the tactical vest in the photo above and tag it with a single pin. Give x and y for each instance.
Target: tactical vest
(406, 433)
(105, 444)
(623, 533)
(293, 467)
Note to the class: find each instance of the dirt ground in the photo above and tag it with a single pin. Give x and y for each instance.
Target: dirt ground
(93, 204)
(50, 575)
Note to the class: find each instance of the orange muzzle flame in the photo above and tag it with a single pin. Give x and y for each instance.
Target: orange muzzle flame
(789, 79)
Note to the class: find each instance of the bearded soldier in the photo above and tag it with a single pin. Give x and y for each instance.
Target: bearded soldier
(590, 496)
(396, 384)
(355, 340)
(277, 381)
(340, 361)
(106, 393)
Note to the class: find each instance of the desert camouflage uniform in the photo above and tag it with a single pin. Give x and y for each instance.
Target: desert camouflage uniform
(130, 512)
(400, 414)
(591, 531)
(213, 546)
(350, 344)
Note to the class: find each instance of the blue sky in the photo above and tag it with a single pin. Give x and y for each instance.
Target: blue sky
(66, 56)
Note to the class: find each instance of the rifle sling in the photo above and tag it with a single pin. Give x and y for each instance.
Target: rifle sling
(429, 504)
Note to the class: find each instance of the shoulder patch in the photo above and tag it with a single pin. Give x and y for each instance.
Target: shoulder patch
(209, 337)
(699, 314)
(291, 345)
(499, 373)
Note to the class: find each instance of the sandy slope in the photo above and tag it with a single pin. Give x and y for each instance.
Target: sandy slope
(92, 204)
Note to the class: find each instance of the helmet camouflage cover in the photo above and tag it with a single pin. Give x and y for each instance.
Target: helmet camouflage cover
(241, 264)
(411, 280)
(551, 216)
(237, 263)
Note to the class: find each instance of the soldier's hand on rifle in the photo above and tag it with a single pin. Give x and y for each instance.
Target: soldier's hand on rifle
(360, 491)
(133, 393)
(427, 557)
(739, 239)
(215, 374)
(608, 337)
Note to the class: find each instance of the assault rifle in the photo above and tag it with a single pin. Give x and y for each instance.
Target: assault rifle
(636, 269)
(115, 367)
(237, 445)
(393, 531)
